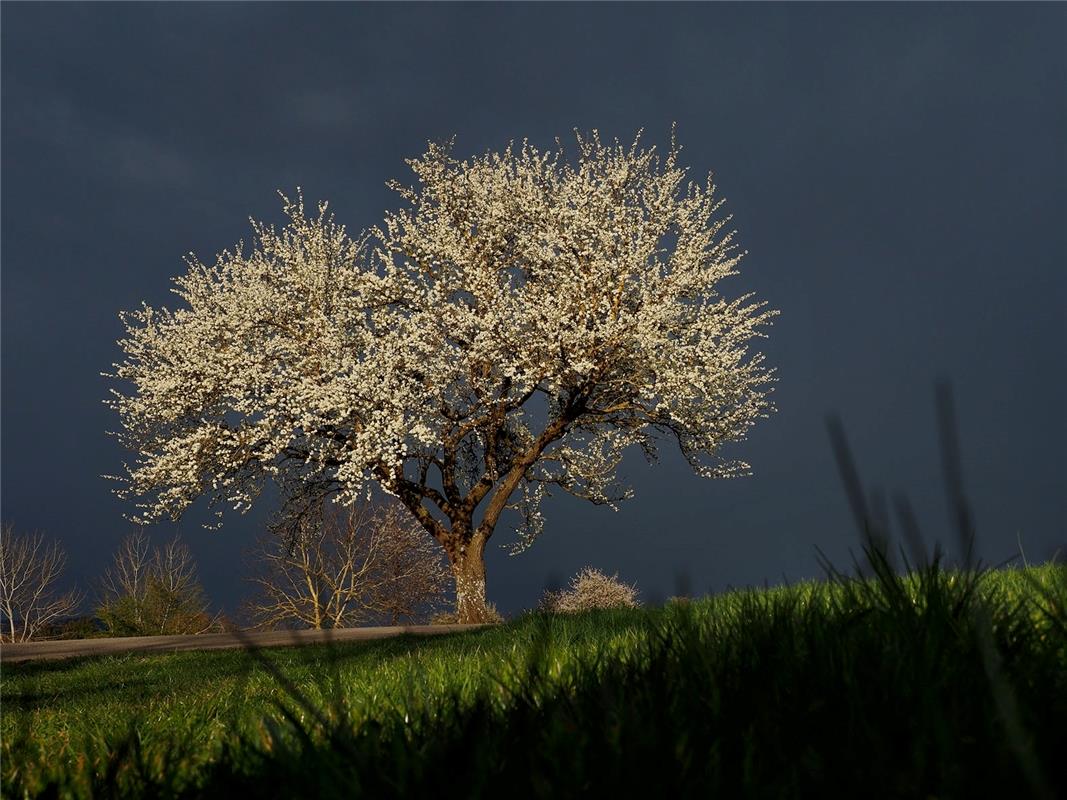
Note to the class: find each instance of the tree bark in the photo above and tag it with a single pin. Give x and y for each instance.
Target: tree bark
(468, 568)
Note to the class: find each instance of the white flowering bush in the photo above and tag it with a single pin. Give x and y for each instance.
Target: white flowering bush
(512, 330)
(590, 589)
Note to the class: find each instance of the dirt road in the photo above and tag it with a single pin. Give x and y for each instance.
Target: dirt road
(72, 648)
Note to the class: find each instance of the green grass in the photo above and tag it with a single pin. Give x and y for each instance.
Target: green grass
(942, 684)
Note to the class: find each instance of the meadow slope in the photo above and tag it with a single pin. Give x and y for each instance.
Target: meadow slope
(941, 684)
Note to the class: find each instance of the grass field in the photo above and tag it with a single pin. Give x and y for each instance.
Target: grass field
(943, 684)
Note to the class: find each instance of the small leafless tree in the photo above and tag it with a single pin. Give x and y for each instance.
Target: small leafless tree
(126, 582)
(412, 573)
(146, 593)
(29, 570)
(347, 567)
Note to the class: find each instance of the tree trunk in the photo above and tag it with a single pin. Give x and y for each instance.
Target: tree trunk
(468, 569)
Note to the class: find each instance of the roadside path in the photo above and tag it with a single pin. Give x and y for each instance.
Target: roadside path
(72, 648)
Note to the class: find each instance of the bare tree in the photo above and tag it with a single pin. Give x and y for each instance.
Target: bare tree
(346, 567)
(126, 582)
(156, 593)
(412, 574)
(29, 570)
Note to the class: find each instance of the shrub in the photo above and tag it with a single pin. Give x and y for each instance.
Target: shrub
(85, 626)
(590, 589)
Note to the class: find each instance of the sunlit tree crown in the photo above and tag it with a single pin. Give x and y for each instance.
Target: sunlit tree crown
(518, 324)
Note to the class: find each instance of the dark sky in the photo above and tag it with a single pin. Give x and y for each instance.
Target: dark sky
(897, 172)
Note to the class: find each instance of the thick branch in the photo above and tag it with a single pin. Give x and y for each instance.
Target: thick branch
(411, 495)
(508, 485)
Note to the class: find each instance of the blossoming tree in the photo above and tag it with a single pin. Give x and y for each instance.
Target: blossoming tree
(519, 323)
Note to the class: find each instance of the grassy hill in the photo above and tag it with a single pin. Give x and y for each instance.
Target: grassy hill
(941, 684)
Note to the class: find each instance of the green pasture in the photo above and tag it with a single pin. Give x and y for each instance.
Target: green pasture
(941, 684)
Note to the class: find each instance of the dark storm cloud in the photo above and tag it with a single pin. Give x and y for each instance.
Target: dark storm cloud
(896, 171)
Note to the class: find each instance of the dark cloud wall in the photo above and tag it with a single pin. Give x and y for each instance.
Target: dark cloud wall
(897, 173)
